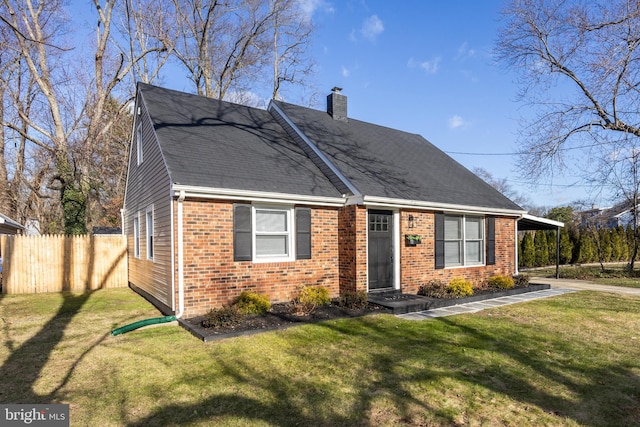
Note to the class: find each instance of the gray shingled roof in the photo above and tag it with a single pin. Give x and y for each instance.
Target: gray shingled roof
(385, 162)
(216, 144)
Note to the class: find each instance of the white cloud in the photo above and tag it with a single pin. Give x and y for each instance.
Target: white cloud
(309, 7)
(248, 98)
(430, 67)
(464, 51)
(456, 122)
(345, 71)
(372, 27)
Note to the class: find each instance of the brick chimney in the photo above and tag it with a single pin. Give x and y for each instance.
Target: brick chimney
(337, 104)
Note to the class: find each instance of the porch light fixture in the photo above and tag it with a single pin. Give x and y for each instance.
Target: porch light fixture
(410, 221)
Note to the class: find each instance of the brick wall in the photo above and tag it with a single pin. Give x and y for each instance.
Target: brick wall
(213, 279)
(339, 256)
(352, 227)
(417, 265)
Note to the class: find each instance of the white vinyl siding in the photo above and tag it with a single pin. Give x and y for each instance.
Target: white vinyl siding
(148, 185)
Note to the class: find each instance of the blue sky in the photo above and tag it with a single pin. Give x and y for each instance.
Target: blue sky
(426, 67)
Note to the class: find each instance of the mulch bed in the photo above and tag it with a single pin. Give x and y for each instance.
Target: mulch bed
(279, 317)
(282, 315)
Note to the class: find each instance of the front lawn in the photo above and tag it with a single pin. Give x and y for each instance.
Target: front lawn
(569, 360)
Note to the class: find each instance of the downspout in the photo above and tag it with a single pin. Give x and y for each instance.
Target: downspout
(180, 257)
(516, 246)
(557, 252)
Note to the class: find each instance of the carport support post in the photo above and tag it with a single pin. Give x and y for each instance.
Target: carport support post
(557, 252)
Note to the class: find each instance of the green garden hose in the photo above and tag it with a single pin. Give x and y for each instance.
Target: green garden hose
(139, 324)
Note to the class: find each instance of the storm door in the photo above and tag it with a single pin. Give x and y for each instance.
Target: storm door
(380, 247)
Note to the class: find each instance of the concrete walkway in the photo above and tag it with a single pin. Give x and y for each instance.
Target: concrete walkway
(473, 307)
(558, 287)
(584, 285)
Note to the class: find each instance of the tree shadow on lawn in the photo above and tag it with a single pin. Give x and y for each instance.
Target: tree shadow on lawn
(397, 371)
(23, 367)
(25, 364)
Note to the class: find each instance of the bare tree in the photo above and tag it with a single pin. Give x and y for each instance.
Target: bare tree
(292, 31)
(78, 90)
(65, 108)
(503, 186)
(621, 169)
(227, 47)
(579, 67)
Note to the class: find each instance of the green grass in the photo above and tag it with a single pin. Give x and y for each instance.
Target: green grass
(613, 274)
(569, 360)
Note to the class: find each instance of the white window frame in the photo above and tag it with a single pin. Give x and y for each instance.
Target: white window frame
(463, 240)
(149, 220)
(139, 143)
(289, 233)
(136, 235)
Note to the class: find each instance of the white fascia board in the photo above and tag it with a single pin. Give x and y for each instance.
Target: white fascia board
(543, 220)
(446, 207)
(255, 196)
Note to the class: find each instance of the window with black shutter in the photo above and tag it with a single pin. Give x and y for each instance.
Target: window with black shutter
(491, 240)
(303, 233)
(265, 233)
(439, 243)
(242, 249)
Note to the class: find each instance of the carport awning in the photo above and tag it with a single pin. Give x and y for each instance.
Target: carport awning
(530, 222)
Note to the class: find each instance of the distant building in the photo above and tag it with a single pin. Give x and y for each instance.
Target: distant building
(609, 217)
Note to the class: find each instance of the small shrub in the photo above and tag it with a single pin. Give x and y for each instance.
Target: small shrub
(521, 281)
(225, 317)
(310, 297)
(501, 282)
(252, 303)
(460, 287)
(353, 299)
(434, 289)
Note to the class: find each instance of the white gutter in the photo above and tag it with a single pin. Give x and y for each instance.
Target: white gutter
(180, 257)
(417, 204)
(255, 196)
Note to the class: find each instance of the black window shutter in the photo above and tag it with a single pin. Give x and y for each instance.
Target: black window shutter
(439, 244)
(491, 240)
(303, 233)
(242, 232)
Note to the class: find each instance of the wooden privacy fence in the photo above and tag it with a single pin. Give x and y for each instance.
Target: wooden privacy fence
(36, 264)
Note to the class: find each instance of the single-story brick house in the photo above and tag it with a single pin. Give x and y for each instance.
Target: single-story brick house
(223, 198)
